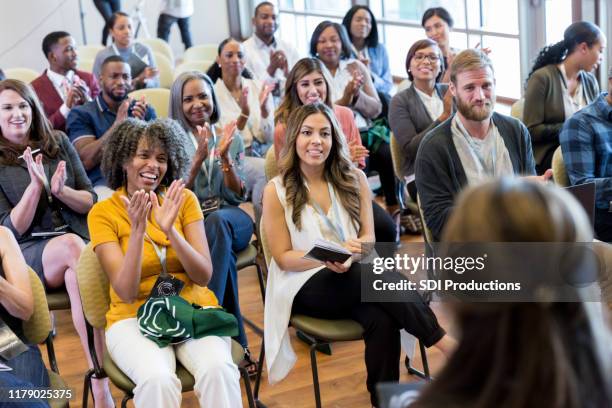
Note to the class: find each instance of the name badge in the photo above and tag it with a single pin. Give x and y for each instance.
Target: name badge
(167, 286)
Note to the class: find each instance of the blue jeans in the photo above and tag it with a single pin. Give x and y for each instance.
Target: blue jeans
(228, 231)
(28, 371)
(165, 23)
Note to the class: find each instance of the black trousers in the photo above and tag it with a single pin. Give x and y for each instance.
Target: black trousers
(107, 8)
(380, 160)
(385, 228)
(164, 23)
(330, 295)
(603, 225)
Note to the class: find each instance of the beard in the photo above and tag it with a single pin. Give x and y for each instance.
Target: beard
(118, 98)
(476, 113)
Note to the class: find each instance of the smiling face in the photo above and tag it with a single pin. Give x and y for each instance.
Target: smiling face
(231, 59)
(474, 92)
(312, 88)
(197, 102)
(122, 31)
(146, 168)
(265, 22)
(438, 30)
(329, 47)
(361, 24)
(592, 56)
(63, 55)
(15, 117)
(314, 141)
(425, 64)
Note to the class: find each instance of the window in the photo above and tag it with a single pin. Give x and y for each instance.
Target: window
(558, 17)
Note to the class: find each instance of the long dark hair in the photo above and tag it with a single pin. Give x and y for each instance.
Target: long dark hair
(577, 33)
(346, 43)
(339, 171)
(439, 12)
(214, 72)
(519, 354)
(372, 39)
(42, 136)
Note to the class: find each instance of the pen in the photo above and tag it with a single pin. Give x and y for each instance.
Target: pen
(33, 151)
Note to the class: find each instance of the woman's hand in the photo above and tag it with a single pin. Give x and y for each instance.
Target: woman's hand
(243, 102)
(59, 179)
(263, 100)
(38, 178)
(203, 134)
(138, 210)
(226, 141)
(357, 151)
(351, 91)
(165, 215)
(448, 106)
(339, 267)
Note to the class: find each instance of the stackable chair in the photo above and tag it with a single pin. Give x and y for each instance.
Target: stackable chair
(26, 75)
(201, 52)
(38, 330)
(319, 332)
(159, 98)
(166, 70)
(95, 297)
(160, 46)
(201, 66)
(88, 52)
(270, 167)
(560, 176)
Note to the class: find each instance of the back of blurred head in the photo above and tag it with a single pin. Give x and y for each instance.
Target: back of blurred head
(523, 354)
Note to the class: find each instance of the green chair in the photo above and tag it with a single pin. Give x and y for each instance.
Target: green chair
(95, 296)
(319, 332)
(38, 330)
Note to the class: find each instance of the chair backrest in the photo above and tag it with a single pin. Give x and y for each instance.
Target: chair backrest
(201, 52)
(159, 98)
(88, 52)
(396, 156)
(26, 75)
(264, 242)
(166, 70)
(160, 46)
(200, 65)
(94, 287)
(427, 235)
(270, 167)
(560, 176)
(38, 327)
(86, 64)
(516, 111)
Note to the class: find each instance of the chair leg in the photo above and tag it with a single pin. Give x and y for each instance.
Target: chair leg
(413, 371)
(262, 287)
(87, 387)
(247, 386)
(51, 354)
(125, 400)
(315, 374)
(260, 363)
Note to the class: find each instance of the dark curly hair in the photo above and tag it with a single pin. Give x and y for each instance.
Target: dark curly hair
(123, 142)
(577, 33)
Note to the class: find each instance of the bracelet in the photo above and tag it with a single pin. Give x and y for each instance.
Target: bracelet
(226, 167)
(243, 115)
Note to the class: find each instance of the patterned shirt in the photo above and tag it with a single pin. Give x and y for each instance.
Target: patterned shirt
(586, 142)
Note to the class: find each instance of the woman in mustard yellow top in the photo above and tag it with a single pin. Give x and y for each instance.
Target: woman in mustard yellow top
(142, 219)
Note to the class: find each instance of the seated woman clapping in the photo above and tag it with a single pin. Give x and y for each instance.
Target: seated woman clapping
(43, 201)
(25, 365)
(152, 226)
(216, 177)
(319, 194)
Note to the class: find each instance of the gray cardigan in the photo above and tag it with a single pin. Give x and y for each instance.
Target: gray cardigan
(544, 112)
(15, 179)
(410, 122)
(440, 175)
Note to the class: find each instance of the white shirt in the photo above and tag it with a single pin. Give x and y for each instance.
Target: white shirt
(571, 104)
(433, 103)
(256, 127)
(482, 159)
(58, 83)
(177, 8)
(339, 80)
(258, 59)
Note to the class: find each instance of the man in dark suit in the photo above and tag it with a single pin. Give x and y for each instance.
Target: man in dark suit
(62, 86)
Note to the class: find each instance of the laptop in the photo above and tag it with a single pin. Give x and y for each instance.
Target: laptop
(585, 194)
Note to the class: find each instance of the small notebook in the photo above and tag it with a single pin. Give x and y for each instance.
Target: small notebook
(326, 251)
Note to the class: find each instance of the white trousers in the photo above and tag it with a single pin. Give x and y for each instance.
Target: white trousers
(153, 369)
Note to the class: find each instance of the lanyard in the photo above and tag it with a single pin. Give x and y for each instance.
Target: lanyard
(211, 158)
(117, 51)
(161, 254)
(476, 150)
(335, 227)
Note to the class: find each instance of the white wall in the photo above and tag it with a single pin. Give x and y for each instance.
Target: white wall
(24, 23)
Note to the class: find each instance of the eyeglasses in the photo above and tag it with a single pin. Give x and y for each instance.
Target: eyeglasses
(433, 58)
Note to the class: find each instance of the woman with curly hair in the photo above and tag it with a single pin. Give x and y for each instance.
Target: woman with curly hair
(560, 84)
(216, 178)
(44, 200)
(149, 225)
(320, 194)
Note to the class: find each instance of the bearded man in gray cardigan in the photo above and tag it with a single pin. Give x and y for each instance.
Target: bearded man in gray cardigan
(473, 145)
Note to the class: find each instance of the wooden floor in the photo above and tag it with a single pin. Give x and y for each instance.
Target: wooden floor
(342, 375)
